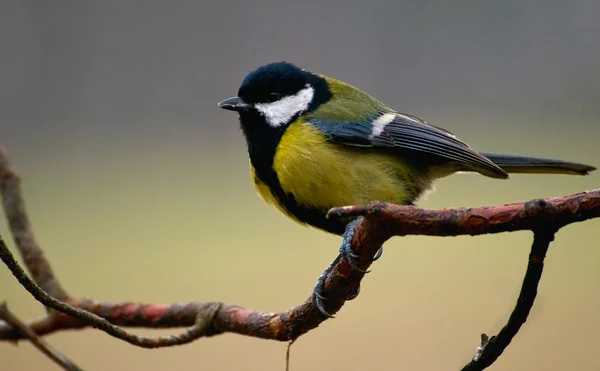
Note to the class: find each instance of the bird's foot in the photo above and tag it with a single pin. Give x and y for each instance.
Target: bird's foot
(346, 248)
(346, 253)
(317, 294)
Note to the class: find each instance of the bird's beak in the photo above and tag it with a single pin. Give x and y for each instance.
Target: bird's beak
(234, 104)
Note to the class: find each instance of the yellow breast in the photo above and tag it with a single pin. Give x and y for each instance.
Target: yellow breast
(320, 174)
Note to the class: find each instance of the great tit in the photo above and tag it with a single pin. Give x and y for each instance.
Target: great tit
(315, 143)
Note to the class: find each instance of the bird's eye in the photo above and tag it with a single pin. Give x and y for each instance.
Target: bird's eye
(273, 97)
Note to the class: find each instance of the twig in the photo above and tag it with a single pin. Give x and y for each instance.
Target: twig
(287, 354)
(38, 342)
(14, 208)
(493, 347)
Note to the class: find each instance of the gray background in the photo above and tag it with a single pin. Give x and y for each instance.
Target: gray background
(138, 185)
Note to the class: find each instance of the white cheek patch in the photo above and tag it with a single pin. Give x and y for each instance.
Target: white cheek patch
(380, 123)
(281, 112)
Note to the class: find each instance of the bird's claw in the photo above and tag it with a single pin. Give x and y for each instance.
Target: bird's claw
(346, 248)
(378, 254)
(317, 297)
(352, 258)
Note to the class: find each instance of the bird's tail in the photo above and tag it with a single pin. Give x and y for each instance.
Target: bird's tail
(534, 165)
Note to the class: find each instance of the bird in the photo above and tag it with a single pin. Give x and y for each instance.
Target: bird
(315, 142)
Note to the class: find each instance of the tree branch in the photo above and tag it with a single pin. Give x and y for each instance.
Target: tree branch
(492, 348)
(14, 208)
(381, 221)
(551, 213)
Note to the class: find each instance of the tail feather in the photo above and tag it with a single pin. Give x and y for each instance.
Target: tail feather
(534, 165)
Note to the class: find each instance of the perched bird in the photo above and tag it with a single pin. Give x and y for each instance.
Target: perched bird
(315, 143)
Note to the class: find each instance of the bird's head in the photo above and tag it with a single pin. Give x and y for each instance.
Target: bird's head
(275, 94)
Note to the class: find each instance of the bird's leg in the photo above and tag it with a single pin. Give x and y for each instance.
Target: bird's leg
(346, 253)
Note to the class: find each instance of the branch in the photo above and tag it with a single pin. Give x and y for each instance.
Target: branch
(14, 208)
(550, 213)
(205, 319)
(381, 221)
(38, 342)
(491, 349)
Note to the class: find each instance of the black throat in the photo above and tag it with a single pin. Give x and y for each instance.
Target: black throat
(262, 141)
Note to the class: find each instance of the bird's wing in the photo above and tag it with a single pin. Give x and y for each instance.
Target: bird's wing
(396, 130)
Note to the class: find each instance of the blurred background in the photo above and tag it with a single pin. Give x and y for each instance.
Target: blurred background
(138, 188)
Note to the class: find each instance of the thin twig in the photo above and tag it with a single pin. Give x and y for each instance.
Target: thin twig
(38, 342)
(287, 354)
(32, 254)
(493, 347)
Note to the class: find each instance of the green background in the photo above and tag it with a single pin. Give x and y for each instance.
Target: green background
(138, 189)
